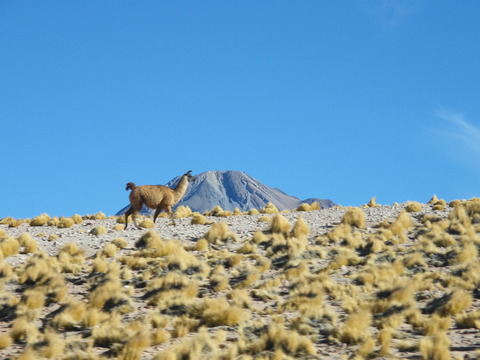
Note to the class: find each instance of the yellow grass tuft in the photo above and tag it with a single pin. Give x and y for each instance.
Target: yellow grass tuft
(218, 312)
(455, 203)
(98, 230)
(40, 220)
(468, 320)
(385, 341)
(118, 227)
(437, 324)
(73, 312)
(215, 211)
(457, 301)
(135, 345)
(280, 225)
(149, 240)
(275, 337)
(99, 216)
(435, 347)
(269, 209)
(413, 206)
(354, 217)
(28, 243)
(109, 332)
(401, 223)
(65, 222)
(27, 354)
(110, 250)
(9, 246)
(182, 212)
(300, 228)
(356, 327)
(7, 220)
(304, 207)
(33, 298)
(147, 223)
(160, 336)
(24, 330)
(5, 341)
(77, 219)
(366, 348)
(372, 203)
(51, 347)
(219, 233)
(120, 243)
(198, 219)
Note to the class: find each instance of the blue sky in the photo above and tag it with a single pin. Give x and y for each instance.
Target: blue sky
(342, 100)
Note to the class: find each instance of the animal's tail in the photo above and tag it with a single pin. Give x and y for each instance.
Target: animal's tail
(130, 186)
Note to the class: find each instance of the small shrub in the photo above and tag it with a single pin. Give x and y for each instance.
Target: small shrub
(182, 212)
(300, 228)
(201, 245)
(99, 216)
(218, 312)
(372, 203)
(435, 347)
(5, 341)
(109, 250)
(413, 206)
(118, 227)
(304, 207)
(120, 243)
(147, 224)
(28, 243)
(269, 209)
(65, 223)
(355, 327)
(354, 217)
(53, 221)
(280, 225)
(149, 240)
(198, 219)
(98, 230)
(457, 301)
(135, 345)
(40, 220)
(9, 246)
(77, 219)
(219, 233)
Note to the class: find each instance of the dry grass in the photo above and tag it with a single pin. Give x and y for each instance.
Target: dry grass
(404, 288)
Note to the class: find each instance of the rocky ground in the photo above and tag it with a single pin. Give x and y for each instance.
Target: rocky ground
(337, 283)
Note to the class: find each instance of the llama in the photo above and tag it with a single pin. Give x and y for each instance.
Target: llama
(156, 197)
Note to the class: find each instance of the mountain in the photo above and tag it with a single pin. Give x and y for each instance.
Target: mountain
(231, 189)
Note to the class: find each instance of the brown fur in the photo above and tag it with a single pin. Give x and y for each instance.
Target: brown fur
(156, 197)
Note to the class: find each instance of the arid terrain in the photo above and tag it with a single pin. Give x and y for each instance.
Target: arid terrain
(396, 281)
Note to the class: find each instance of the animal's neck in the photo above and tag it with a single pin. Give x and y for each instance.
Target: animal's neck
(181, 188)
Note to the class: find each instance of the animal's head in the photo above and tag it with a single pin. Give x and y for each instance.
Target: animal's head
(189, 176)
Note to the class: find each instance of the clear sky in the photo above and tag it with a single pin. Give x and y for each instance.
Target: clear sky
(341, 100)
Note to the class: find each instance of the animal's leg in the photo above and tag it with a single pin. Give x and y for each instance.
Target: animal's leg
(134, 217)
(157, 212)
(170, 213)
(127, 214)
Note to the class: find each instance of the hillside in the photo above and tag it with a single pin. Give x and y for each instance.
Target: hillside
(395, 281)
(233, 189)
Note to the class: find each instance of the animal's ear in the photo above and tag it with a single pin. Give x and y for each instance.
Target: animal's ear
(188, 172)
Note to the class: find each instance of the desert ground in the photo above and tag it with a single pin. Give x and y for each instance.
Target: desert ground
(397, 281)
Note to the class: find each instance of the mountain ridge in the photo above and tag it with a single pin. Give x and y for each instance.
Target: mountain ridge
(232, 189)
